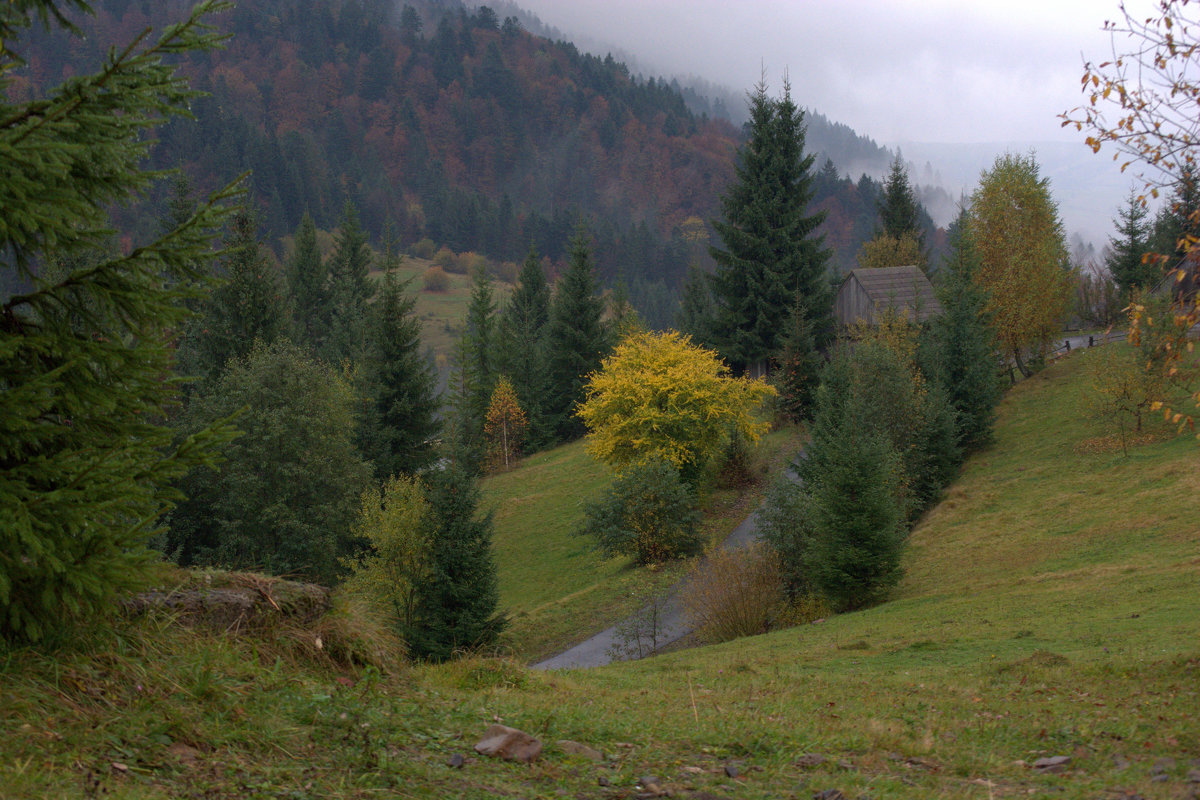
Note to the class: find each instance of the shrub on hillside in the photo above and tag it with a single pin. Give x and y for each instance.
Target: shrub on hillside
(425, 248)
(471, 262)
(735, 593)
(435, 279)
(396, 560)
(446, 259)
(648, 513)
(507, 271)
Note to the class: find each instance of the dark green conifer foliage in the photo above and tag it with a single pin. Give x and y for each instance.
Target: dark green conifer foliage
(856, 553)
(899, 211)
(523, 334)
(86, 463)
(695, 314)
(247, 306)
(798, 367)
(456, 603)
(772, 256)
(350, 290)
(399, 428)
(286, 496)
(475, 372)
(1174, 221)
(308, 286)
(1128, 247)
(958, 349)
(576, 340)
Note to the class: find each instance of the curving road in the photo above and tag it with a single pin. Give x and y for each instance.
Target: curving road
(672, 624)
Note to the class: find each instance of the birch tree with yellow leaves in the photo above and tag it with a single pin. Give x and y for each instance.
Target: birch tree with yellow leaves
(1023, 257)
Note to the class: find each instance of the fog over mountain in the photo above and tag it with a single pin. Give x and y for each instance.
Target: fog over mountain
(949, 83)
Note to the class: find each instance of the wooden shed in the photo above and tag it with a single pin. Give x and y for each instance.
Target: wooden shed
(866, 292)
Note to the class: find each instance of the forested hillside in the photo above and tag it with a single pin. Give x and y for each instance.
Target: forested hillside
(453, 125)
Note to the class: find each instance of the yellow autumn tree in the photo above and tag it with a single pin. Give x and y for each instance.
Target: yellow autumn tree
(660, 397)
(397, 557)
(891, 251)
(505, 425)
(1018, 235)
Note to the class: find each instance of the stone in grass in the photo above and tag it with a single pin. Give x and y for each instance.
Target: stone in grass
(510, 744)
(581, 750)
(1193, 776)
(1052, 763)
(829, 794)
(456, 761)
(731, 771)
(810, 760)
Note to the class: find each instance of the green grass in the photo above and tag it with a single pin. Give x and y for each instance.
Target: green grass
(557, 589)
(1049, 608)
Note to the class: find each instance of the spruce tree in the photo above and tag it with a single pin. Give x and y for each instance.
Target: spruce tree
(86, 463)
(401, 424)
(1126, 250)
(350, 290)
(576, 340)
(457, 598)
(523, 349)
(695, 307)
(1175, 222)
(247, 306)
(772, 256)
(799, 366)
(308, 286)
(475, 372)
(959, 349)
(899, 211)
(860, 535)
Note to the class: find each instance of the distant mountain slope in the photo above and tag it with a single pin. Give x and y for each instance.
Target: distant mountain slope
(454, 125)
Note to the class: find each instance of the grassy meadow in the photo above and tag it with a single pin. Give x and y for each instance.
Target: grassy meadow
(1051, 608)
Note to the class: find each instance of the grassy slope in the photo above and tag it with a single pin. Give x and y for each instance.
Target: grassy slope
(1050, 609)
(556, 588)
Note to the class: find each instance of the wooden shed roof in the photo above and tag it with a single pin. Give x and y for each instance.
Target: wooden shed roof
(906, 289)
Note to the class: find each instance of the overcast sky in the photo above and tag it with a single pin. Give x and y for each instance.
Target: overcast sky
(960, 72)
(895, 70)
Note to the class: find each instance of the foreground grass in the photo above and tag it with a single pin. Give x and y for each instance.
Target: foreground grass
(1049, 609)
(557, 589)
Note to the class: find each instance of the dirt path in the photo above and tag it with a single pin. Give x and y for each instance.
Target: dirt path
(671, 627)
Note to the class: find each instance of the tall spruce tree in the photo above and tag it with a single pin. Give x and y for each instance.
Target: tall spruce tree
(1126, 250)
(457, 598)
(475, 371)
(772, 256)
(523, 349)
(899, 211)
(350, 290)
(576, 340)
(401, 424)
(247, 306)
(308, 286)
(958, 349)
(86, 463)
